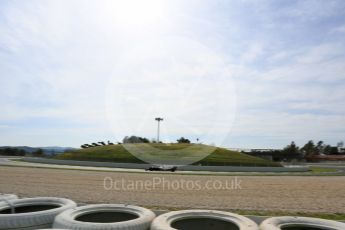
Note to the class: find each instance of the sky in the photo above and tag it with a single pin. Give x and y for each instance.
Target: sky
(240, 73)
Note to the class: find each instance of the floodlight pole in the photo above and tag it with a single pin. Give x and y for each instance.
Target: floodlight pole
(158, 119)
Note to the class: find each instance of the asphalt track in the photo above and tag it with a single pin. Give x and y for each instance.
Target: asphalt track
(302, 170)
(188, 168)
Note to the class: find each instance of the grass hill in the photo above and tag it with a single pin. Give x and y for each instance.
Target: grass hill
(176, 154)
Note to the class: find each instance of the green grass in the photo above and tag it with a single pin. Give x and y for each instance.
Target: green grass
(166, 154)
(322, 170)
(264, 213)
(329, 216)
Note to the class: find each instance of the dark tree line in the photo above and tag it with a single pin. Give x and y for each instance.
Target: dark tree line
(20, 152)
(135, 139)
(293, 152)
(12, 152)
(131, 140)
(94, 144)
(183, 140)
(310, 149)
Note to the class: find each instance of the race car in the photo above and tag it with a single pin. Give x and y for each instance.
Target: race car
(162, 168)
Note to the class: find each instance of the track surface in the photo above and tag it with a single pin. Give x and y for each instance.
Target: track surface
(286, 193)
(124, 167)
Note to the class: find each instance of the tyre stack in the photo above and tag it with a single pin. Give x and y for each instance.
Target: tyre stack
(32, 213)
(4, 196)
(202, 220)
(105, 216)
(300, 223)
(63, 214)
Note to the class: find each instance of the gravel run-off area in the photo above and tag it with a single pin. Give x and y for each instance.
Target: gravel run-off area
(323, 194)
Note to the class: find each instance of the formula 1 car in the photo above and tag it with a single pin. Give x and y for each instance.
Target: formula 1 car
(162, 168)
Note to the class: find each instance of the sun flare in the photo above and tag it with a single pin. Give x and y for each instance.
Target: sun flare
(135, 13)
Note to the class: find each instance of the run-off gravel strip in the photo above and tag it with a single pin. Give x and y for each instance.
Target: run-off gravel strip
(273, 193)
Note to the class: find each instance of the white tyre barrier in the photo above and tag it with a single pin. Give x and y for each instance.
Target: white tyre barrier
(300, 223)
(202, 220)
(7, 197)
(32, 213)
(105, 216)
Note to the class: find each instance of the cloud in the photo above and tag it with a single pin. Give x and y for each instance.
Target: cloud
(67, 63)
(253, 52)
(339, 29)
(298, 96)
(179, 79)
